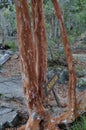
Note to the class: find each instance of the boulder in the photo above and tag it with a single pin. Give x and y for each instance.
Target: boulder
(8, 117)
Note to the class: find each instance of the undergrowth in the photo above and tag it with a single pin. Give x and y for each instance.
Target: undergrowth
(79, 124)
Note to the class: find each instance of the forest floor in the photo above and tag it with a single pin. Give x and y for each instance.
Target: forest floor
(11, 98)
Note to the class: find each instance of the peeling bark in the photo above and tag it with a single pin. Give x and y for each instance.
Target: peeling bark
(38, 117)
(77, 105)
(71, 68)
(27, 55)
(33, 54)
(41, 42)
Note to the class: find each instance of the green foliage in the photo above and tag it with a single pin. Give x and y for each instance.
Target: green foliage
(80, 70)
(9, 15)
(81, 83)
(0, 67)
(75, 16)
(5, 3)
(1, 95)
(79, 125)
(74, 12)
(12, 45)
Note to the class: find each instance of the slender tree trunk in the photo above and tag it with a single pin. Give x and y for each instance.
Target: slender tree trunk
(71, 68)
(41, 42)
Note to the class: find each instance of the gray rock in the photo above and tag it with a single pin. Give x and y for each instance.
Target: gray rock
(81, 84)
(4, 110)
(63, 78)
(7, 117)
(80, 57)
(4, 58)
(62, 74)
(50, 74)
(11, 88)
(81, 73)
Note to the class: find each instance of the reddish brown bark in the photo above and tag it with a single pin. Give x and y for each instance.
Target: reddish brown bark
(41, 42)
(32, 47)
(75, 106)
(30, 77)
(27, 54)
(71, 68)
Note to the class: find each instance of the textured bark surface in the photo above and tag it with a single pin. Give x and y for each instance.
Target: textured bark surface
(27, 54)
(41, 42)
(71, 68)
(32, 77)
(33, 54)
(77, 104)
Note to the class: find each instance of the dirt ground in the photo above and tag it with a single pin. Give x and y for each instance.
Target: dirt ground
(12, 69)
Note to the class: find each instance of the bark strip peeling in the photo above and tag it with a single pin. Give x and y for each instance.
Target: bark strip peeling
(71, 68)
(32, 47)
(27, 54)
(41, 42)
(38, 117)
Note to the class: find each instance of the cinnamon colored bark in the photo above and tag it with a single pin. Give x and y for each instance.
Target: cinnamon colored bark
(38, 117)
(41, 42)
(71, 68)
(76, 107)
(33, 54)
(27, 55)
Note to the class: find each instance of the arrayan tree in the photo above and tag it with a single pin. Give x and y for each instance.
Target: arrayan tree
(33, 54)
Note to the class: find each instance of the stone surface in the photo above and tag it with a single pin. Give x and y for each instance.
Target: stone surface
(10, 87)
(62, 74)
(7, 117)
(4, 58)
(11, 94)
(11, 102)
(80, 57)
(81, 83)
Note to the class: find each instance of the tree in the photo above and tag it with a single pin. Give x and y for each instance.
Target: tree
(33, 76)
(33, 48)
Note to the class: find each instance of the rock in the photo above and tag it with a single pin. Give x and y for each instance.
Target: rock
(4, 58)
(62, 74)
(80, 57)
(8, 117)
(11, 102)
(9, 52)
(81, 84)
(64, 77)
(50, 74)
(11, 88)
(4, 47)
(81, 72)
(4, 110)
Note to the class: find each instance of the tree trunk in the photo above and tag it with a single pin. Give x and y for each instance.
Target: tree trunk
(38, 117)
(41, 43)
(27, 55)
(33, 54)
(71, 68)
